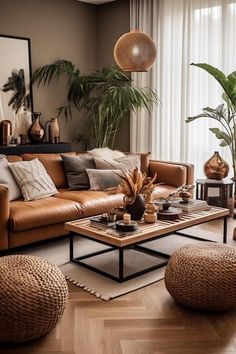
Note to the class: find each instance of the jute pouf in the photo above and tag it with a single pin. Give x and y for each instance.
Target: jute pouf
(33, 296)
(203, 276)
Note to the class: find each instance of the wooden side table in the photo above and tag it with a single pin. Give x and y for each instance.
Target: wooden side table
(217, 193)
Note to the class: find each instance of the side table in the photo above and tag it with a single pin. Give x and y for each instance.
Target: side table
(217, 193)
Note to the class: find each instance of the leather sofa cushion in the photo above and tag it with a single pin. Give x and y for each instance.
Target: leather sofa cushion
(171, 174)
(163, 191)
(93, 202)
(13, 158)
(41, 212)
(53, 164)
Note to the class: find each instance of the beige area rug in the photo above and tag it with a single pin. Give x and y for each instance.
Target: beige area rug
(101, 286)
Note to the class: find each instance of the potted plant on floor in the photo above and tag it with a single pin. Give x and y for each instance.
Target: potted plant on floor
(107, 95)
(225, 113)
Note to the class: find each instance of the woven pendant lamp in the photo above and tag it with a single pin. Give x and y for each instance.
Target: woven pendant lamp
(135, 51)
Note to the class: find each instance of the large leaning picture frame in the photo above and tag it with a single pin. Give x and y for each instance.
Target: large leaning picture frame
(16, 101)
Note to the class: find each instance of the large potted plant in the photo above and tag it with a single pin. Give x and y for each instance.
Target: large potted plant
(225, 113)
(107, 95)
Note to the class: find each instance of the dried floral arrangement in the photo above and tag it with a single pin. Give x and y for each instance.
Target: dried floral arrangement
(134, 183)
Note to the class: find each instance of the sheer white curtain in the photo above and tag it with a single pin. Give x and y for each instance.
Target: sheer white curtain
(185, 31)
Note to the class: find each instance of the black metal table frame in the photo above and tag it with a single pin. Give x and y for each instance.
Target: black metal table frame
(136, 246)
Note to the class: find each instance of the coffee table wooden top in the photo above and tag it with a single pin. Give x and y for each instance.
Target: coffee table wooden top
(146, 231)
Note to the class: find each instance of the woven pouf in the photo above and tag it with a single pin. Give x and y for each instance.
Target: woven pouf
(202, 276)
(33, 296)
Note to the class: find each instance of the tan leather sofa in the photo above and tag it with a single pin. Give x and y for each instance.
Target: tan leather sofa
(23, 222)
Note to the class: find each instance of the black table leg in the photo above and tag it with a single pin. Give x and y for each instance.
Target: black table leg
(121, 265)
(225, 230)
(71, 238)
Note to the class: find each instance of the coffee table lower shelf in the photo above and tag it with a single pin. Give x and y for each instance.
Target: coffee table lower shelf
(138, 246)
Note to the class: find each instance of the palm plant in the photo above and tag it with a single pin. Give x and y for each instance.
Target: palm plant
(225, 113)
(106, 95)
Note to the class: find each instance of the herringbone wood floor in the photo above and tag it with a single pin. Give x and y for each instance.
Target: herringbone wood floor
(146, 321)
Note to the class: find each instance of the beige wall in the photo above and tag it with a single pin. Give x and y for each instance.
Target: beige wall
(68, 29)
(113, 21)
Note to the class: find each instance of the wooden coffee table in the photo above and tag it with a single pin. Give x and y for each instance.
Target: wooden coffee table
(137, 240)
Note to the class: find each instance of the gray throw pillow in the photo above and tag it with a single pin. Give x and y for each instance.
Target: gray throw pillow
(75, 168)
(102, 179)
(8, 180)
(129, 162)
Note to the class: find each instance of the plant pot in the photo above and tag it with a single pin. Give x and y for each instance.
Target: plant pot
(137, 208)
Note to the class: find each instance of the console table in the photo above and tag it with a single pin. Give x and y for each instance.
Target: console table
(36, 148)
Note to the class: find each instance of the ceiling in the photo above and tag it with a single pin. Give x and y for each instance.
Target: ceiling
(96, 2)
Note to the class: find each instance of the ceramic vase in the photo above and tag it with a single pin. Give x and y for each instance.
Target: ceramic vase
(36, 130)
(216, 167)
(137, 208)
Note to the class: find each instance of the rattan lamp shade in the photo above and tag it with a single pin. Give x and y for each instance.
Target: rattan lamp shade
(135, 51)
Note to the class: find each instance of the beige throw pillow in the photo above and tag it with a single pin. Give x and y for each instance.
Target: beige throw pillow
(8, 180)
(106, 153)
(33, 179)
(128, 162)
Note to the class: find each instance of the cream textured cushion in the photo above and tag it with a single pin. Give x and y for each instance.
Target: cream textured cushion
(8, 180)
(106, 153)
(128, 162)
(33, 179)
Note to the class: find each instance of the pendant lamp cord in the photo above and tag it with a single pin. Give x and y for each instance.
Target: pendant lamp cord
(137, 15)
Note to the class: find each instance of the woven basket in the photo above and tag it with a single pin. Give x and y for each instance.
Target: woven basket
(33, 296)
(203, 276)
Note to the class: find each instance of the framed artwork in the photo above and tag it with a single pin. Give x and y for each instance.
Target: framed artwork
(16, 102)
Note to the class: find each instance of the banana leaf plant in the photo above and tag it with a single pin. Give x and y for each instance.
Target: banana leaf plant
(225, 113)
(107, 96)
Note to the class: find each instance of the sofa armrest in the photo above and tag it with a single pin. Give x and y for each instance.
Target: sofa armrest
(4, 216)
(172, 173)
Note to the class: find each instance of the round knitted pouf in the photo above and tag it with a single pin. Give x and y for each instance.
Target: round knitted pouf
(203, 276)
(33, 296)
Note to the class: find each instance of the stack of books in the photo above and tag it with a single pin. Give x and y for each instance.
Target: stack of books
(192, 205)
(99, 223)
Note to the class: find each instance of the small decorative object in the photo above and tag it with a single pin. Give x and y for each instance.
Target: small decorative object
(22, 139)
(184, 192)
(216, 167)
(53, 130)
(135, 51)
(150, 215)
(122, 226)
(36, 131)
(164, 203)
(169, 214)
(5, 131)
(126, 218)
(135, 185)
(111, 216)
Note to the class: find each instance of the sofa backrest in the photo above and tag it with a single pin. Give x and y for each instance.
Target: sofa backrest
(53, 164)
(14, 158)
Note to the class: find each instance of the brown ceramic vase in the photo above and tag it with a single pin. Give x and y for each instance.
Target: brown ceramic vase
(216, 167)
(36, 130)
